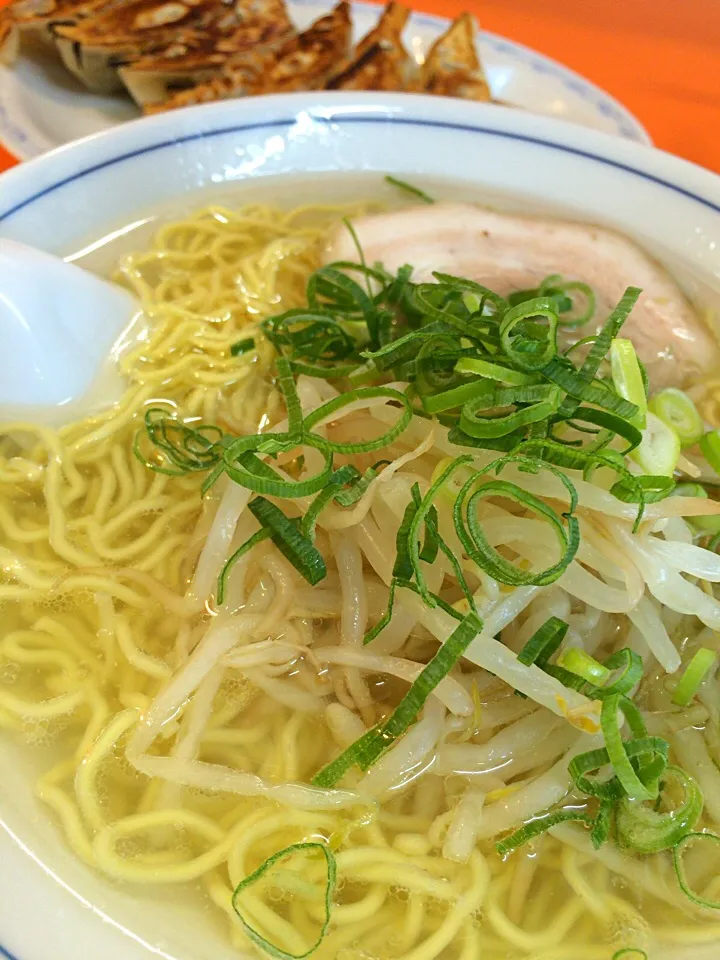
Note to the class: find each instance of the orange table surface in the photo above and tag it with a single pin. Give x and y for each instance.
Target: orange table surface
(661, 58)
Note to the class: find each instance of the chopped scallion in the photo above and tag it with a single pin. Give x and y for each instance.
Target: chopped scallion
(678, 851)
(409, 707)
(625, 370)
(644, 829)
(544, 642)
(242, 346)
(538, 826)
(494, 371)
(695, 672)
(297, 548)
(710, 447)
(659, 451)
(292, 851)
(584, 666)
(409, 188)
(675, 408)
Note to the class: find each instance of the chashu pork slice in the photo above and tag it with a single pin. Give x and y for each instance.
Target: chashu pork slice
(380, 61)
(94, 47)
(508, 253)
(303, 62)
(154, 78)
(452, 67)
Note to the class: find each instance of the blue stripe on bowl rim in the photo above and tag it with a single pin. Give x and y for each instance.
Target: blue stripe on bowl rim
(349, 119)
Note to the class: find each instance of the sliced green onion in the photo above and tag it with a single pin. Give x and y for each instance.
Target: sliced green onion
(410, 544)
(242, 346)
(431, 546)
(439, 302)
(572, 381)
(583, 665)
(690, 490)
(253, 878)
(345, 474)
(455, 397)
(333, 406)
(333, 772)
(555, 286)
(643, 829)
(630, 953)
(525, 351)
(677, 410)
(486, 295)
(329, 287)
(494, 371)
(298, 549)
(570, 680)
(645, 489)
(469, 528)
(613, 424)
(627, 378)
(599, 348)
(409, 188)
(678, 851)
(631, 666)
(538, 826)
(709, 524)
(411, 704)
(286, 383)
(603, 823)
(538, 403)
(590, 762)
(346, 498)
(659, 451)
(695, 673)
(184, 449)
(403, 567)
(710, 447)
(246, 547)
(619, 751)
(544, 642)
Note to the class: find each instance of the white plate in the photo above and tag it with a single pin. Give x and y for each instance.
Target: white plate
(42, 106)
(53, 907)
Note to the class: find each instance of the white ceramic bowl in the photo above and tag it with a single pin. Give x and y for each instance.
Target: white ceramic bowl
(51, 906)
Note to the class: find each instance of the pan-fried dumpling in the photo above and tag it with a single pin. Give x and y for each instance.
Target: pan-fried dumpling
(153, 78)
(305, 61)
(37, 18)
(94, 47)
(302, 62)
(452, 67)
(380, 61)
(9, 38)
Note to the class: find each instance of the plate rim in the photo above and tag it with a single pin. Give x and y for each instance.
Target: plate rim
(26, 142)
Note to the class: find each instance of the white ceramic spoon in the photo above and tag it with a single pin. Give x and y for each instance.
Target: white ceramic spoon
(60, 329)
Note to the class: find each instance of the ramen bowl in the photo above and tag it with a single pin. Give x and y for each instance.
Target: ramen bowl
(98, 196)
